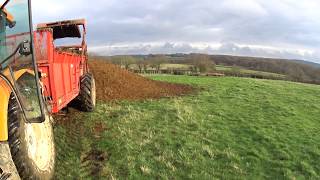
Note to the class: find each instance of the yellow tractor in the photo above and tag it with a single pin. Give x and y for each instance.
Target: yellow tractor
(26, 134)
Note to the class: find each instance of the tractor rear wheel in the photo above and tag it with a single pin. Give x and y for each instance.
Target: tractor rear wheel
(86, 101)
(7, 167)
(31, 144)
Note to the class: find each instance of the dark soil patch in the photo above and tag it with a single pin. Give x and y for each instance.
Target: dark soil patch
(95, 161)
(114, 83)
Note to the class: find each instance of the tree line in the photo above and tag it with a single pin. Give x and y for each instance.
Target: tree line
(198, 62)
(294, 70)
(202, 63)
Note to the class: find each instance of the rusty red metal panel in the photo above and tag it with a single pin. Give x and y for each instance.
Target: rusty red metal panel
(62, 23)
(61, 70)
(63, 29)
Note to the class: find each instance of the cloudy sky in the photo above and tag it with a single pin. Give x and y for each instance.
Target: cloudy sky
(268, 28)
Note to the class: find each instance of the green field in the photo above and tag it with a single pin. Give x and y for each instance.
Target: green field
(248, 71)
(234, 128)
(176, 66)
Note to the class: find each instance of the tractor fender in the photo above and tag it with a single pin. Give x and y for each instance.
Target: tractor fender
(5, 91)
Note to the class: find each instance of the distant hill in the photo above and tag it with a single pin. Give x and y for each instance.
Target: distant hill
(308, 63)
(180, 55)
(294, 70)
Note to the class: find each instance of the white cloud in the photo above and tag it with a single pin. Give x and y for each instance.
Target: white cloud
(225, 48)
(290, 25)
(244, 7)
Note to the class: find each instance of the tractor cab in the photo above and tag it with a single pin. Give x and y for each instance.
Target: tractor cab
(31, 90)
(17, 63)
(26, 134)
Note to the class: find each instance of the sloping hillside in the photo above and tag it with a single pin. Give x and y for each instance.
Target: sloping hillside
(235, 127)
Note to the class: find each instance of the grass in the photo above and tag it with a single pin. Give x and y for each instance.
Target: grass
(235, 128)
(176, 66)
(249, 72)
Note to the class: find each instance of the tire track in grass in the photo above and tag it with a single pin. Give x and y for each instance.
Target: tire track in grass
(78, 157)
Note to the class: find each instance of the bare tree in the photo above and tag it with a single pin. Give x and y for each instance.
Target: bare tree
(235, 70)
(202, 63)
(156, 61)
(142, 65)
(126, 61)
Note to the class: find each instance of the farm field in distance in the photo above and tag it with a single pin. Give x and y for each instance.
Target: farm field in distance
(248, 71)
(232, 127)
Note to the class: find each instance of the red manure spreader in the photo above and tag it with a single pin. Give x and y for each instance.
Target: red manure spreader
(54, 77)
(39, 76)
(64, 69)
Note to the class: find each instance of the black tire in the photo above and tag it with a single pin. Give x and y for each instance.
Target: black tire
(7, 167)
(86, 100)
(31, 145)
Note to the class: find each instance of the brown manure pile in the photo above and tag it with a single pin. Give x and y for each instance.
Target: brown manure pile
(114, 83)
